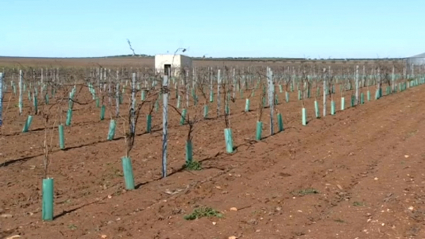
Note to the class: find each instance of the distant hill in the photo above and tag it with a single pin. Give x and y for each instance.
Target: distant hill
(130, 55)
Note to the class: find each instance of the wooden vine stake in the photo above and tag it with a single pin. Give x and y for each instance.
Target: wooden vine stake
(218, 92)
(357, 85)
(324, 92)
(117, 96)
(164, 125)
(21, 75)
(393, 81)
(129, 138)
(259, 128)
(271, 97)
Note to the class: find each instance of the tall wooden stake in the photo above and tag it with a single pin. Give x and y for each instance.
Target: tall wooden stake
(357, 85)
(271, 98)
(393, 80)
(164, 125)
(324, 92)
(218, 92)
(234, 83)
(187, 86)
(117, 96)
(21, 76)
(133, 105)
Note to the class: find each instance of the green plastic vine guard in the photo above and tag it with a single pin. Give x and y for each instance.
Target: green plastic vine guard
(332, 107)
(183, 117)
(189, 152)
(229, 140)
(205, 111)
(61, 136)
(27, 124)
(128, 173)
(68, 117)
(102, 112)
(280, 122)
(111, 132)
(211, 96)
(342, 103)
(259, 130)
(70, 102)
(47, 199)
(148, 123)
(304, 116)
(35, 102)
(377, 94)
(316, 109)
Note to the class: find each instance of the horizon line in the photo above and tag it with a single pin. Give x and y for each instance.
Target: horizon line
(215, 58)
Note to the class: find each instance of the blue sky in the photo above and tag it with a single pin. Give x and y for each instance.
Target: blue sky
(218, 28)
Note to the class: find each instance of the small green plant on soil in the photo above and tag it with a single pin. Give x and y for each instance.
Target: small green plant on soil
(358, 204)
(117, 193)
(118, 173)
(255, 212)
(193, 166)
(72, 227)
(305, 192)
(411, 133)
(203, 212)
(339, 220)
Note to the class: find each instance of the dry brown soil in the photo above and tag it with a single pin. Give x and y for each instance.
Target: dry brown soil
(357, 174)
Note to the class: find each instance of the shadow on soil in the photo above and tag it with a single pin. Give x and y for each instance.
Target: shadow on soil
(26, 158)
(74, 209)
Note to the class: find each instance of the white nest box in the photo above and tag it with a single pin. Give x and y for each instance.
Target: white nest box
(174, 62)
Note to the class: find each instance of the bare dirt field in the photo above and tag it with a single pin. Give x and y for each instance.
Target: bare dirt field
(356, 174)
(150, 62)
